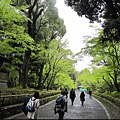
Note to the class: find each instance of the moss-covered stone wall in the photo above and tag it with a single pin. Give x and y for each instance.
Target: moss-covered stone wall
(113, 110)
(13, 105)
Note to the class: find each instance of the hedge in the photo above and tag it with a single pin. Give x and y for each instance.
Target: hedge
(111, 104)
(13, 105)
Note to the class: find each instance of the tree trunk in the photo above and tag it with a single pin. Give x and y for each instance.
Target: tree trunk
(32, 33)
(110, 87)
(40, 77)
(20, 82)
(115, 81)
(25, 67)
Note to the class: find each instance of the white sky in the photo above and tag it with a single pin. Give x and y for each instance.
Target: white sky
(76, 27)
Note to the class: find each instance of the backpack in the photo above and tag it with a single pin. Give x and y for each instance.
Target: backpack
(30, 107)
(59, 102)
(24, 106)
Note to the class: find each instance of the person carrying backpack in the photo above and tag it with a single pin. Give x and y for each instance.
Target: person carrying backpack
(35, 101)
(60, 105)
(24, 106)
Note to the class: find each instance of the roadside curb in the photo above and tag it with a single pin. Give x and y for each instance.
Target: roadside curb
(108, 115)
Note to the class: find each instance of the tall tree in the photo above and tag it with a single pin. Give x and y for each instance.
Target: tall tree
(13, 38)
(94, 10)
(58, 58)
(54, 28)
(105, 55)
(86, 79)
(34, 11)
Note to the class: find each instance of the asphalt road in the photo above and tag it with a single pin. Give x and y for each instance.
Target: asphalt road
(92, 109)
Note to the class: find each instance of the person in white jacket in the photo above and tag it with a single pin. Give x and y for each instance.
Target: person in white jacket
(33, 115)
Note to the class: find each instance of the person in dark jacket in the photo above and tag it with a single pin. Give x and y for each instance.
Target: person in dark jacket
(82, 97)
(66, 92)
(72, 95)
(90, 94)
(61, 110)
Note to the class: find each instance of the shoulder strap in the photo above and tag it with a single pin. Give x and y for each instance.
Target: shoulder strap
(62, 96)
(33, 99)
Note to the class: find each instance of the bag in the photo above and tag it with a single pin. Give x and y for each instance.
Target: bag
(24, 106)
(59, 102)
(30, 107)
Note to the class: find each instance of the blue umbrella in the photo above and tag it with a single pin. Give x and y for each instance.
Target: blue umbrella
(83, 90)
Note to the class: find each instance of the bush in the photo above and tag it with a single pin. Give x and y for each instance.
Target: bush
(112, 97)
(45, 96)
(20, 99)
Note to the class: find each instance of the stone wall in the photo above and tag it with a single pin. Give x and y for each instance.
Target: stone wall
(3, 80)
(113, 110)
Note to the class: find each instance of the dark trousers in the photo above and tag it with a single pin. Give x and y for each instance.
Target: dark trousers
(82, 102)
(66, 107)
(61, 115)
(72, 100)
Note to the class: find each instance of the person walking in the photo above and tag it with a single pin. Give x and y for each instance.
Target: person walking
(61, 109)
(66, 92)
(90, 93)
(72, 95)
(33, 115)
(82, 97)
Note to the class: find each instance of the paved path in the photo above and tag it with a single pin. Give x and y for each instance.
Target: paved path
(92, 109)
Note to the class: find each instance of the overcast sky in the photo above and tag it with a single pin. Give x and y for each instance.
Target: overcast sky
(76, 27)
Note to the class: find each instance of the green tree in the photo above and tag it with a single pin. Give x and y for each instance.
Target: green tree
(14, 40)
(64, 81)
(56, 60)
(87, 79)
(106, 10)
(41, 27)
(52, 28)
(105, 55)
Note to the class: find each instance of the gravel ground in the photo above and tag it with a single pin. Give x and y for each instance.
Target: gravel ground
(92, 109)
